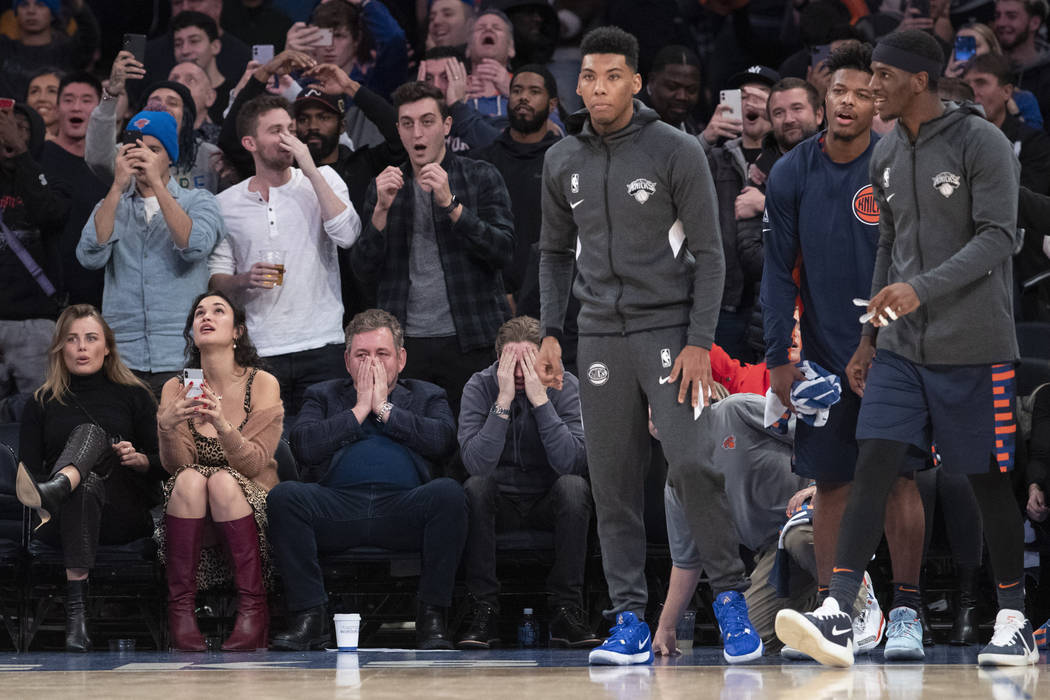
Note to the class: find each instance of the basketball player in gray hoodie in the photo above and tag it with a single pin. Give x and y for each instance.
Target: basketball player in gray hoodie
(631, 199)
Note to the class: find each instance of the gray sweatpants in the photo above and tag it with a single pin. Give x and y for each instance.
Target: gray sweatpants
(620, 380)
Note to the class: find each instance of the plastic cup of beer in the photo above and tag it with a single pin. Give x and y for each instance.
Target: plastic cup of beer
(276, 259)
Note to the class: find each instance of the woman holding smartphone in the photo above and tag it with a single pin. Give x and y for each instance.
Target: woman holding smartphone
(90, 430)
(217, 440)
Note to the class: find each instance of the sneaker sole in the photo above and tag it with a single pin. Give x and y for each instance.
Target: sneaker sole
(744, 658)
(600, 657)
(795, 631)
(477, 645)
(1008, 659)
(794, 655)
(904, 654)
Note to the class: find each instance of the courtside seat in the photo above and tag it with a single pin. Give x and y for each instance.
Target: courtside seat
(127, 592)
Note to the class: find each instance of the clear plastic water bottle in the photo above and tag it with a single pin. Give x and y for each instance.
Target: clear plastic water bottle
(527, 630)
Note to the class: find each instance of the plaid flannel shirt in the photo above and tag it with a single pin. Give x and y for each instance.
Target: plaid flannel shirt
(473, 250)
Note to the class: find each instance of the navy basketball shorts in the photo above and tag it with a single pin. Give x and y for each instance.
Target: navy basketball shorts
(829, 453)
(965, 413)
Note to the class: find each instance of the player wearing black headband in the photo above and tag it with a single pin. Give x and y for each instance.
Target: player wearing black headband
(941, 305)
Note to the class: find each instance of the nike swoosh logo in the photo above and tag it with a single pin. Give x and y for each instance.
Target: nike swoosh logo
(641, 644)
(575, 204)
(664, 380)
(890, 197)
(836, 632)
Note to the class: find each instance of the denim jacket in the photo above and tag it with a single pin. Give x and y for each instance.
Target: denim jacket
(149, 282)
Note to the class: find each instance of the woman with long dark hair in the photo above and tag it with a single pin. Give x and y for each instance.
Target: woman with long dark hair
(91, 431)
(219, 448)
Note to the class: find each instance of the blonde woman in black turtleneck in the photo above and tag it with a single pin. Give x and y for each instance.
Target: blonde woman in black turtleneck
(89, 434)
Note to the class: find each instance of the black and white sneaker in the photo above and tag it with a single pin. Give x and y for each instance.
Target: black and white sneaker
(1013, 642)
(826, 634)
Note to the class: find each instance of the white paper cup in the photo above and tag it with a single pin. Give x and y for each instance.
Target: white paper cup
(347, 629)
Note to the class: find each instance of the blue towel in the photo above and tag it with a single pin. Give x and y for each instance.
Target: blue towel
(811, 397)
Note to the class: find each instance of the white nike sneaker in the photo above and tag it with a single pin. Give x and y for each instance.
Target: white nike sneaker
(870, 624)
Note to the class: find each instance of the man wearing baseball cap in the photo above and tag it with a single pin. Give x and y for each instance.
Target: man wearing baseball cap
(153, 238)
(733, 146)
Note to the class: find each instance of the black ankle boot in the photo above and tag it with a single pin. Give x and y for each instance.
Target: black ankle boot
(77, 638)
(307, 630)
(964, 629)
(431, 629)
(45, 498)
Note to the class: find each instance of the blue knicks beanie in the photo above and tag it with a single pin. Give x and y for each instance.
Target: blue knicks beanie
(54, 5)
(161, 126)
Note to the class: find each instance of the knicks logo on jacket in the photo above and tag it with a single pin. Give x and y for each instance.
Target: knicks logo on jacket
(865, 208)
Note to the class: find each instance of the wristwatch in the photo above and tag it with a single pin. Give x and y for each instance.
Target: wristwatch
(384, 411)
(498, 410)
(447, 211)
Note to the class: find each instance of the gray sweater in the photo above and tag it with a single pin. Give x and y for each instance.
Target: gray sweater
(100, 152)
(637, 211)
(528, 452)
(947, 225)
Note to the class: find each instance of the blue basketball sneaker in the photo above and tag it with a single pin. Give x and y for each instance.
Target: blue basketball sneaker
(629, 643)
(904, 638)
(740, 641)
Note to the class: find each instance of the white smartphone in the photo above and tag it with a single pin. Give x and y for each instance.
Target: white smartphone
(262, 53)
(193, 378)
(324, 36)
(732, 98)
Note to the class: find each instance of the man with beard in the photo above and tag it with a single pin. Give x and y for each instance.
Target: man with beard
(945, 181)
(820, 211)
(796, 112)
(674, 87)
(518, 155)
(293, 310)
(62, 161)
(1017, 23)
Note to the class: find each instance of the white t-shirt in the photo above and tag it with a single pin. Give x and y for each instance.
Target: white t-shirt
(306, 311)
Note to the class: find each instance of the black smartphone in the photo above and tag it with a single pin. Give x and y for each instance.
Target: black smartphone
(965, 47)
(136, 45)
(819, 54)
(923, 7)
(130, 137)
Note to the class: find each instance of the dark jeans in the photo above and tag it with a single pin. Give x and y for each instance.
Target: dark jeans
(309, 518)
(296, 371)
(441, 362)
(565, 509)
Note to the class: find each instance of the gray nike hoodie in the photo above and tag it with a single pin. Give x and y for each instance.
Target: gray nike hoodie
(948, 227)
(637, 209)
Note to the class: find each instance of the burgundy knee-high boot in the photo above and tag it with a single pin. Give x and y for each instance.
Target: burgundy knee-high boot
(183, 539)
(252, 627)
